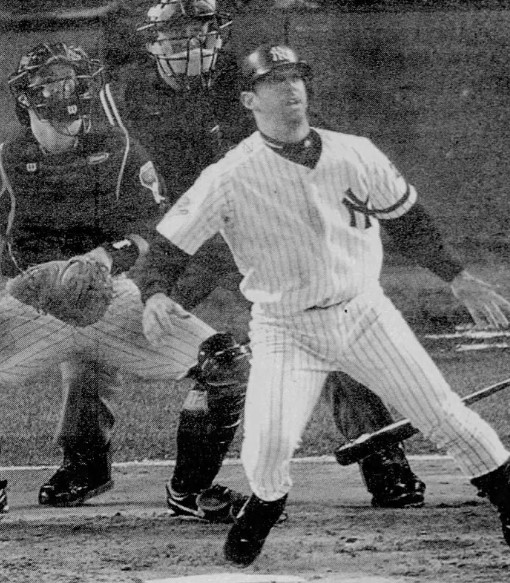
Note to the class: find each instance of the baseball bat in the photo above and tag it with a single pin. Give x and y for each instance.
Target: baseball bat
(399, 431)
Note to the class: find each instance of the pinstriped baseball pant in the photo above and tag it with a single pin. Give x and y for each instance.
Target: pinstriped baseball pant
(31, 342)
(368, 339)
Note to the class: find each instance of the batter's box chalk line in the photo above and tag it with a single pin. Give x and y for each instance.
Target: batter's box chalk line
(472, 339)
(230, 578)
(246, 578)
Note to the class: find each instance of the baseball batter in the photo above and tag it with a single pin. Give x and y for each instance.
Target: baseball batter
(301, 209)
(72, 190)
(182, 103)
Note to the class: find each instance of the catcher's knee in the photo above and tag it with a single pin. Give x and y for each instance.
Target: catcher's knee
(222, 362)
(221, 377)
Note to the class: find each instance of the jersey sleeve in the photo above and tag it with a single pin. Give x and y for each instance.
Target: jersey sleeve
(391, 196)
(200, 213)
(142, 195)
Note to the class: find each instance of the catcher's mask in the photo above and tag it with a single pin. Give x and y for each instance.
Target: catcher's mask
(58, 83)
(185, 37)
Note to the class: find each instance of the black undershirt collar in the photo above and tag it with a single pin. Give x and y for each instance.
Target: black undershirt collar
(305, 152)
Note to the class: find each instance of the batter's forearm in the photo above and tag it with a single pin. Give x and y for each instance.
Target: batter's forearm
(416, 237)
(162, 267)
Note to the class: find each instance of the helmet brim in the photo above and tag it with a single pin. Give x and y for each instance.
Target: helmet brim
(301, 67)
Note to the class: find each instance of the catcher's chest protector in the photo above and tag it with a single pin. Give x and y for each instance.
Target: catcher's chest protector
(65, 205)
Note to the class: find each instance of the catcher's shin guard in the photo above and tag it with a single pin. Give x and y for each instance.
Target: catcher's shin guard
(250, 530)
(390, 480)
(496, 487)
(211, 413)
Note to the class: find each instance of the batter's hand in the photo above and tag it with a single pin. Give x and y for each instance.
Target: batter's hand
(487, 308)
(159, 318)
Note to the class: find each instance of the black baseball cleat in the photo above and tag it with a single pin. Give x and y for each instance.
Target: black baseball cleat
(78, 479)
(496, 487)
(4, 506)
(390, 480)
(409, 492)
(215, 504)
(182, 505)
(251, 527)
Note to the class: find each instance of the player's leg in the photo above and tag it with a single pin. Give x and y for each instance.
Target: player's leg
(119, 339)
(388, 358)
(284, 386)
(386, 473)
(30, 343)
(84, 433)
(207, 425)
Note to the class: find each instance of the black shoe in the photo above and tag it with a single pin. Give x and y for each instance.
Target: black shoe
(215, 504)
(4, 506)
(410, 492)
(391, 481)
(78, 479)
(182, 505)
(250, 530)
(496, 487)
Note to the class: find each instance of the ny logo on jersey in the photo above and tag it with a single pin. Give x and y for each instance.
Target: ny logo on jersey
(281, 54)
(355, 205)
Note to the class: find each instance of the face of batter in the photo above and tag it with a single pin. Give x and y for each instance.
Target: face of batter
(279, 102)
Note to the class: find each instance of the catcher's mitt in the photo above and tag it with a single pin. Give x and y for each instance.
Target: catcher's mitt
(77, 291)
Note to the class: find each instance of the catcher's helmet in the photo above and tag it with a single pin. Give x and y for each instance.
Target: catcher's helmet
(56, 81)
(185, 36)
(267, 58)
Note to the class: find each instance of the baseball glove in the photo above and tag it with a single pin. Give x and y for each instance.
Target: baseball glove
(77, 291)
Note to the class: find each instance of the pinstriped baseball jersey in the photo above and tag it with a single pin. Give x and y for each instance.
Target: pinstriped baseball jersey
(301, 237)
(307, 242)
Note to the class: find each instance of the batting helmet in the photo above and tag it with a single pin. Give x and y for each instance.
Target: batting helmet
(57, 82)
(185, 37)
(267, 58)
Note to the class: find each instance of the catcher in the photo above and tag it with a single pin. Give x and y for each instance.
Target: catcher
(181, 100)
(79, 200)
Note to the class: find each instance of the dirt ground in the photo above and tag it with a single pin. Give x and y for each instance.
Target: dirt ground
(332, 532)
